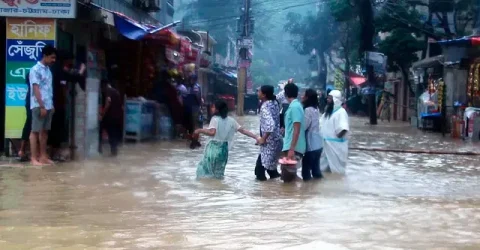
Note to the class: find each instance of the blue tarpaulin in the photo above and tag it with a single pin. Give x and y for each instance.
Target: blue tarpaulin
(130, 28)
(465, 41)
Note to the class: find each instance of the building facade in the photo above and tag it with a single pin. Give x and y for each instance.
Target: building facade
(87, 29)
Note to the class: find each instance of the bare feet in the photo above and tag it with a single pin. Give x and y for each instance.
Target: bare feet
(21, 154)
(46, 161)
(37, 163)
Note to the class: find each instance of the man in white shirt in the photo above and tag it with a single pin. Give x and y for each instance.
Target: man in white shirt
(41, 97)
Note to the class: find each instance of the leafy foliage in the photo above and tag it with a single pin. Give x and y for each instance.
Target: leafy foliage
(447, 19)
(313, 31)
(400, 47)
(402, 41)
(342, 10)
(261, 73)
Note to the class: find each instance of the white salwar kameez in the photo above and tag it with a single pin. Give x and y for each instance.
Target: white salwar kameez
(335, 150)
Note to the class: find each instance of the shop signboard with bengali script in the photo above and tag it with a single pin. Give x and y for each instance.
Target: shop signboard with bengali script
(25, 40)
(38, 8)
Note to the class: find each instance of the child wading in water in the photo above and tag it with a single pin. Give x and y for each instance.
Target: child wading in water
(222, 128)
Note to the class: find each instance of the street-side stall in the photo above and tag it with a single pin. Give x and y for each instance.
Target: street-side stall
(150, 97)
(139, 119)
(224, 87)
(462, 66)
(354, 101)
(471, 117)
(431, 105)
(428, 77)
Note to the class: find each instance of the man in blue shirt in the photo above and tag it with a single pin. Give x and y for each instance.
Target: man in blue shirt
(294, 143)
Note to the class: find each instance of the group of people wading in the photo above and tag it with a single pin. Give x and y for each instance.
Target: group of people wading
(293, 134)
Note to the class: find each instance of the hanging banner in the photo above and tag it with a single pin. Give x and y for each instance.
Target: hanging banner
(25, 40)
(378, 61)
(249, 84)
(38, 8)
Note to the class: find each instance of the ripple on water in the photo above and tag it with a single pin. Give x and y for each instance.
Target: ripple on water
(149, 198)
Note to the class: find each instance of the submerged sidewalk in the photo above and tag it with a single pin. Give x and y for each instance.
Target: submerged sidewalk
(402, 136)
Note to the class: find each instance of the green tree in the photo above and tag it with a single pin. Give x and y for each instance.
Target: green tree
(461, 15)
(401, 48)
(347, 39)
(260, 72)
(313, 32)
(402, 42)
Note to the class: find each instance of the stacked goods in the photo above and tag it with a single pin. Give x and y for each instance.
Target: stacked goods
(148, 70)
(473, 85)
(441, 95)
(470, 83)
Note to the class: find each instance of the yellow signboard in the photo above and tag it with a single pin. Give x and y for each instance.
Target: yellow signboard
(26, 38)
(30, 29)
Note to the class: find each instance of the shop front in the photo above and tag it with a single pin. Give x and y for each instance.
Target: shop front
(130, 56)
(27, 26)
(430, 94)
(151, 103)
(462, 77)
(113, 46)
(224, 86)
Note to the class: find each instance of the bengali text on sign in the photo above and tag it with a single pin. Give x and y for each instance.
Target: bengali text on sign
(26, 38)
(38, 8)
(30, 29)
(26, 50)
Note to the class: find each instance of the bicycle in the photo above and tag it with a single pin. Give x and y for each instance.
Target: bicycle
(386, 112)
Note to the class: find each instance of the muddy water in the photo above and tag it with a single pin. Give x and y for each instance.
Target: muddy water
(148, 198)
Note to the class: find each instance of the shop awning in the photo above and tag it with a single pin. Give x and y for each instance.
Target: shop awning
(464, 41)
(428, 62)
(131, 28)
(356, 79)
(230, 74)
(168, 36)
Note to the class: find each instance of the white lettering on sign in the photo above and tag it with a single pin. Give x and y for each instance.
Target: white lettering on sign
(16, 93)
(19, 73)
(30, 27)
(32, 51)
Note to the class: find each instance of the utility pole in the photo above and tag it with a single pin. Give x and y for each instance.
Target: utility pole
(244, 43)
(367, 33)
(477, 26)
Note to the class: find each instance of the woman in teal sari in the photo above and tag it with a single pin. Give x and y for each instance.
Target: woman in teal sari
(222, 128)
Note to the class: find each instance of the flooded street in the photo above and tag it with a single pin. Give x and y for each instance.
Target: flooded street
(148, 198)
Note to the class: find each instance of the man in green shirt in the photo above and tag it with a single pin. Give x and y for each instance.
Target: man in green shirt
(294, 143)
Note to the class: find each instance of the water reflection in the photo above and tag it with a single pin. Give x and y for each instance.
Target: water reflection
(148, 198)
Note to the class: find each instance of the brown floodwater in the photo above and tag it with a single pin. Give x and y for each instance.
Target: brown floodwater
(148, 198)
